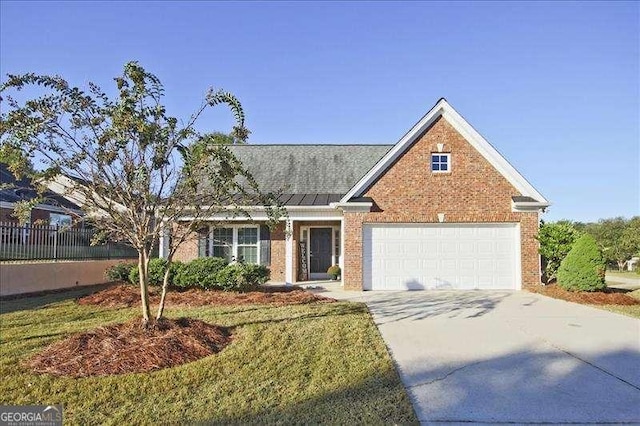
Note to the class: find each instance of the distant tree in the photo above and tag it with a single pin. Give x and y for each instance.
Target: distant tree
(631, 237)
(610, 236)
(134, 169)
(583, 269)
(556, 240)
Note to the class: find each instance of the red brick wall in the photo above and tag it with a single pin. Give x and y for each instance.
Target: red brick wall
(37, 216)
(278, 242)
(472, 192)
(6, 215)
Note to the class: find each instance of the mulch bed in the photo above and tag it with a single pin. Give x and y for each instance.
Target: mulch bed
(130, 348)
(610, 296)
(124, 295)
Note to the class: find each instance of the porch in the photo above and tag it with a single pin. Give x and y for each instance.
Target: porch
(313, 247)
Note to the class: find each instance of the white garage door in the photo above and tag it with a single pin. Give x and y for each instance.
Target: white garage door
(446, 256)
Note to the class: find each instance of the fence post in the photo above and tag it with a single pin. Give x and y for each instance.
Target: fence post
(55, 244)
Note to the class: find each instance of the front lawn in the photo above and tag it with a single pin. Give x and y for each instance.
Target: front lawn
(297, 364)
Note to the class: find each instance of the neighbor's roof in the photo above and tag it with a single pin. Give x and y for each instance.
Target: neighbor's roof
(14, 190)
(308, 175)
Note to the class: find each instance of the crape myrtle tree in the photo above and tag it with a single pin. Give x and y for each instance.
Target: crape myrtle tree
(135, 170)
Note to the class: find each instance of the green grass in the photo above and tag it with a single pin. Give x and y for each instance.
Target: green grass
(624, 274)
(632, 311)
(301, 364)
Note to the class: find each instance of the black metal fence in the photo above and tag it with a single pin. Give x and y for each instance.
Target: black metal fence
(43, 242)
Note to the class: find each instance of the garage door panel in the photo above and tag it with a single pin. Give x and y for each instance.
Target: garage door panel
(427, 256)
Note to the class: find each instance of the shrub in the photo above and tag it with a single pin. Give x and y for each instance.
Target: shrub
(583, 268)
(556, 240)
(156, 272)
(334, 271)
(242, 277)
(200, 272)
(120, 272)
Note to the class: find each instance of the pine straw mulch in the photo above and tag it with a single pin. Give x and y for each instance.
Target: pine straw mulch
(609, 296)
(124, 295)
(130, 348)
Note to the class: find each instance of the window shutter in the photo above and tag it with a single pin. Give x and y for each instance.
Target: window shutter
(265, 245)
(203, 243)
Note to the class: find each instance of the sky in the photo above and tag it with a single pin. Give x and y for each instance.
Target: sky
(554, 86)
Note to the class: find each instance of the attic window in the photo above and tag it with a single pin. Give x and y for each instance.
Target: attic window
(440, 163)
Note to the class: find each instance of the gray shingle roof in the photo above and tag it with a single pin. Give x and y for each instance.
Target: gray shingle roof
(309, 174)
(14, 190)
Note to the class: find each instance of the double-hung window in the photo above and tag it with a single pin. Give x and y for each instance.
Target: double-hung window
(235, 242)
(247, 245)
(222, 240)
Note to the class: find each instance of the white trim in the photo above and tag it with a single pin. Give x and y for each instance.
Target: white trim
(441, 154)
(259, 218)
(518, 256)
(354, 207)
(528, 206)
(288, 253)
(342, 244)
(334, 228)
(234, 239)
(46, 207)
(443, 109)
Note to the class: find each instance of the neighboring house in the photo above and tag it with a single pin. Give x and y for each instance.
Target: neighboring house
(54, 210)
(632, 263)
(439, 209)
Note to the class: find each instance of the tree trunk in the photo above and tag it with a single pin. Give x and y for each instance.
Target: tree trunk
(165, 284)
(621, 265)
(143, 269)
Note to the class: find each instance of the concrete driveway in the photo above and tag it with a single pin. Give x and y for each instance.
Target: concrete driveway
(510, 357)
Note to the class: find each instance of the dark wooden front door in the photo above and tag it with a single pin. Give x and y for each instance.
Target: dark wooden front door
(320, 250)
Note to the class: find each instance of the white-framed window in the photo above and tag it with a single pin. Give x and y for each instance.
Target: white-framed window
(240, 242)
(59, 219)
(440, 163)
(247, 244)
(221, 241)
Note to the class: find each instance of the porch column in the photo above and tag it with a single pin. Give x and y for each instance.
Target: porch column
(163, 242)
(342, 240)
(288, 253)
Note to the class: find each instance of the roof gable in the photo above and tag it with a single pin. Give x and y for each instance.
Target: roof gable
(446, 111)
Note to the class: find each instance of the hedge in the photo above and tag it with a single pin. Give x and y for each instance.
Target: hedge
(200, 272)
(156, 271)
(209, 273)
(242, 277)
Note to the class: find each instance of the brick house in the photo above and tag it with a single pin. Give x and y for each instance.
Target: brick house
(439, 209)
(54, 210)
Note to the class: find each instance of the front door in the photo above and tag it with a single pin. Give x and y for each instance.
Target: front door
(320, 250)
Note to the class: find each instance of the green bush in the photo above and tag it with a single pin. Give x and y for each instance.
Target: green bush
(556, 240)
(120, 272)
(334, 271)
(584, 267)
(156, 272)
(242, 277)
(200, 272)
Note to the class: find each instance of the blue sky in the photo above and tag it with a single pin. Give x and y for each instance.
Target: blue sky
(553, 86)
